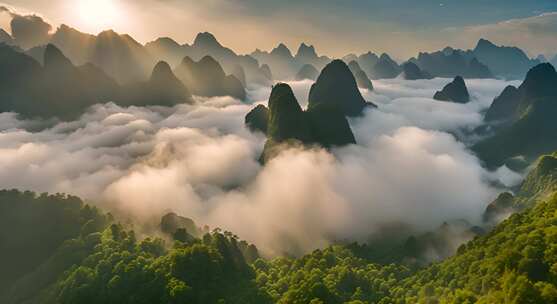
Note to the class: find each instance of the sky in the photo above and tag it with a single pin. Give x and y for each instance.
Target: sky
(400, 27)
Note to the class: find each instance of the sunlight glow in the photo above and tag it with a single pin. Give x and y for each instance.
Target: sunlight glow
(97, 15)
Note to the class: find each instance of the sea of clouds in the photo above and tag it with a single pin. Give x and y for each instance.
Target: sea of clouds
(408, 169)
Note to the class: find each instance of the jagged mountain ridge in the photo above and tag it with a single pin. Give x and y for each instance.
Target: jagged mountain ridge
(60, 89)
(528, 122)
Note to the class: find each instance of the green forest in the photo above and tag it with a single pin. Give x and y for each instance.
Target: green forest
(57, 249)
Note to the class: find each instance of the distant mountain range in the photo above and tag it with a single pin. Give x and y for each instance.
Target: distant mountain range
(115, 67)
(126, 60)
(450, 63)
(58, 88)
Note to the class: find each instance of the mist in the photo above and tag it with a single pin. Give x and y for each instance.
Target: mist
(408, 169)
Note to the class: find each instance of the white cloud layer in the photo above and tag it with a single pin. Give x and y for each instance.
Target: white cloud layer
(201, 162)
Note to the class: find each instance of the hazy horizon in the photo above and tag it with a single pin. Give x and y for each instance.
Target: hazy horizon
(400, 28)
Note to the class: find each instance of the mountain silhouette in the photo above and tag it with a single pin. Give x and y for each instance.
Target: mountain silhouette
(207, 78)
(119, 56)
(476, 69)
(385, 68)
(308, 71)
(63, 90)
(240, 74)
(206, 44)
(411, 71)
(367, 62)
(206, 40)
(55, 61)
(509, 62)
(286, 66)
(57, 89)
(504, 106)
(19, 74)
(6, 38)
(514, 102)
(166, 49)
(288, 124)
(306, 53)
(450, 63)
(455, 91)
(29, 30)
(337, 86)
(266, 72)
(257, 119)
(286, 117)
(529, 115)
(282, 51)
(162, 89)
(329, 126)
(361, 77)
(280, 60)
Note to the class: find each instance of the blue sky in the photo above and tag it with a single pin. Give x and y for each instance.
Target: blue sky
(400, 27)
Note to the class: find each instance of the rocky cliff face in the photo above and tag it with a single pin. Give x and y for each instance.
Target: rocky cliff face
(504, 106)
(287, 124)
(337, 86)
(528, 114)
(362, 79)
(455, 91)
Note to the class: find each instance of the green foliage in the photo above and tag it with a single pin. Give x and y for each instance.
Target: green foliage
(33, 227)
(515, 263)
(539, 184)
(332, 275)
(124, 270)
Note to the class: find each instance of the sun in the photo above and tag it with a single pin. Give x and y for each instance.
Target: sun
(96, 15)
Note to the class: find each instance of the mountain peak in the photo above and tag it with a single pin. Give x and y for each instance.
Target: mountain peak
(54, 58)
(282, 93)
(286, 118)
(336, 85)
(362, 79)
(411, 71)
(504, 106)
(540, 81)
(5, 37)
(455, 91)
(162, 71)
(167, 42)
(385, 56)
(306, 51)
(64, 28)
(282, 50)
(108, 34)
(540, 72)
(209, 63)
(484, 43)
(205, 39)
